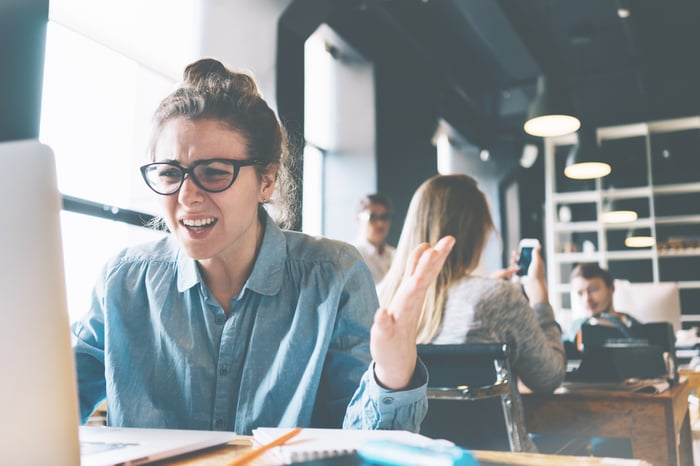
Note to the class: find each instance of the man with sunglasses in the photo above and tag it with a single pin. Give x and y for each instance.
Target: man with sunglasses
(374, 220)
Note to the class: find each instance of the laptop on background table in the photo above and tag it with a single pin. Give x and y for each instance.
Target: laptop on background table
(38, 396)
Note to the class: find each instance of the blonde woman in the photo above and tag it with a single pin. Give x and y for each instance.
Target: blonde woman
(463, 307)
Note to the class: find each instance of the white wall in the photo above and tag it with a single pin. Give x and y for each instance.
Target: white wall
(243, 34)
(340, 118)
(465, 159)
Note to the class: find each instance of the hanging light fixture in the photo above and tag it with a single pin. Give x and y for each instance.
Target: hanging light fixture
(639, 239)
(551, 113)
(614, 213)
(585, 162)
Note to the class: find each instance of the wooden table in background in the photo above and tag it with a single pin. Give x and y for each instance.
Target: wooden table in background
(693, 377)
(658, 426)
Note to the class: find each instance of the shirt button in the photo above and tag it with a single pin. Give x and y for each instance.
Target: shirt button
(388, 400)
(221, 320)
(223, 370)
(219, 422)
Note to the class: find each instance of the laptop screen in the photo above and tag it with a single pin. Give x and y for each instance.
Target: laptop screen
(38, 397)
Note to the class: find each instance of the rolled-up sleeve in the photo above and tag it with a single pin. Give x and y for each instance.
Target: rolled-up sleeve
(374, 407)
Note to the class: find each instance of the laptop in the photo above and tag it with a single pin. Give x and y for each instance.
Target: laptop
(609, 355)
(38, 396)
(108, 446)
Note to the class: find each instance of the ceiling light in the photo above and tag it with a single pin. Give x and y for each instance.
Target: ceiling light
(550, 114)
(618, 216)
(613, 213)
(623, 9)
(584, 162)
(637, 239)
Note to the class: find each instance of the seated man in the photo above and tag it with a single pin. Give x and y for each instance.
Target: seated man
(594, 286)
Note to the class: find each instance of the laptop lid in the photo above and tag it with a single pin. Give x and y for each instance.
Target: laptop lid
(108, 446)
(38, 398)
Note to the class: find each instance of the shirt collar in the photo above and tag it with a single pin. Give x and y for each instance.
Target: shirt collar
(187, 271)
(266, 277)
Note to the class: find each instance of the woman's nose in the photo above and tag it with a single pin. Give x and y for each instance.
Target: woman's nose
(189, 191)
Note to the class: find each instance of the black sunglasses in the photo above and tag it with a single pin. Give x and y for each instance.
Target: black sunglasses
(376, 217)
(212, 175)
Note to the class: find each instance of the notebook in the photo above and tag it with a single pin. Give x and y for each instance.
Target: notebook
(38, 396)
(312, 443)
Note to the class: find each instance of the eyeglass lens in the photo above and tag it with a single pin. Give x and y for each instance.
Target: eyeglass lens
(372, 217)
(379, 217)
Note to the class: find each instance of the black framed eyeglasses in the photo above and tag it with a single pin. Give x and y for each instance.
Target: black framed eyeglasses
(212, 175)
(385, 217)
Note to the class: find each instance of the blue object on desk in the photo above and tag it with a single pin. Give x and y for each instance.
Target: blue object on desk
(392, 453)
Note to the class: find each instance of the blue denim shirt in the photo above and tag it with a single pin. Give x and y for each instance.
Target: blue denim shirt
(294, 350)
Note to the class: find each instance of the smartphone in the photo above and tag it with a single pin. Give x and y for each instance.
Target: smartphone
(525, 257)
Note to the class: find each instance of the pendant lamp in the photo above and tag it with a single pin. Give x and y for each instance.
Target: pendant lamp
(639, 239)
(614, 213)
(585, 160)
(551, 113)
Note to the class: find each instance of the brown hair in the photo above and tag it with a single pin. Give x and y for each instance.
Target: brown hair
(211, 91)
(592, 270)
(374, 199)
(442, 205)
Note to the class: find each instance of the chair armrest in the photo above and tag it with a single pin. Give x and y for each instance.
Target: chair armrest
(465, 392)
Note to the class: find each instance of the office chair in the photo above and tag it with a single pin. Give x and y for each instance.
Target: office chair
(473, 399)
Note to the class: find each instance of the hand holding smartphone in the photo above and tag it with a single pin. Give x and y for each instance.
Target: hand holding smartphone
(525, 249)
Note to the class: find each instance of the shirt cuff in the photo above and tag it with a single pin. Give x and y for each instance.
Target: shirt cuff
(416, 390)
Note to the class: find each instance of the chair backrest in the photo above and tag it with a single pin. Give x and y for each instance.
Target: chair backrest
(473, 398)
(649, 302)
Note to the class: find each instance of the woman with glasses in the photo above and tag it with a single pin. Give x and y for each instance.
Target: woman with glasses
(229, 322)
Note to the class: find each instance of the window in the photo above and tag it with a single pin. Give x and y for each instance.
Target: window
(341, 166)
(96, 112)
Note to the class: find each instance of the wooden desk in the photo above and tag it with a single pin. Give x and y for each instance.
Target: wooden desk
(227, 453)
(693, 377)
(658, 426)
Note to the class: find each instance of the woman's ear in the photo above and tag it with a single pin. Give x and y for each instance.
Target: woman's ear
(267, 182)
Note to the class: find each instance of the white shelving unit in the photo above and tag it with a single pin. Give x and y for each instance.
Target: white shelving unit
(656, 171)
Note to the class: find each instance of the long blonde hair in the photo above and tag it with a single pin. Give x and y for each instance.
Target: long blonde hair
(442, 205)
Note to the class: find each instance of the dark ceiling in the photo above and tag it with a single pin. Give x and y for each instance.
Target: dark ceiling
(481, 58)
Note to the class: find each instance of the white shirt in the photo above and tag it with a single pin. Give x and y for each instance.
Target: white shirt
(378, 263)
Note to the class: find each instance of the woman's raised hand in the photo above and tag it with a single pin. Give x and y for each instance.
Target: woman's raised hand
(393, 335)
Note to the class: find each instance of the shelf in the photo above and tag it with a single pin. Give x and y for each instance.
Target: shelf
(578, 197)
(627, 193)
(576, 227)
(571, 257)
(639, 223)
(657, 164)
(681, 188)
(630, 255)
(680, 253)
(677, 219)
